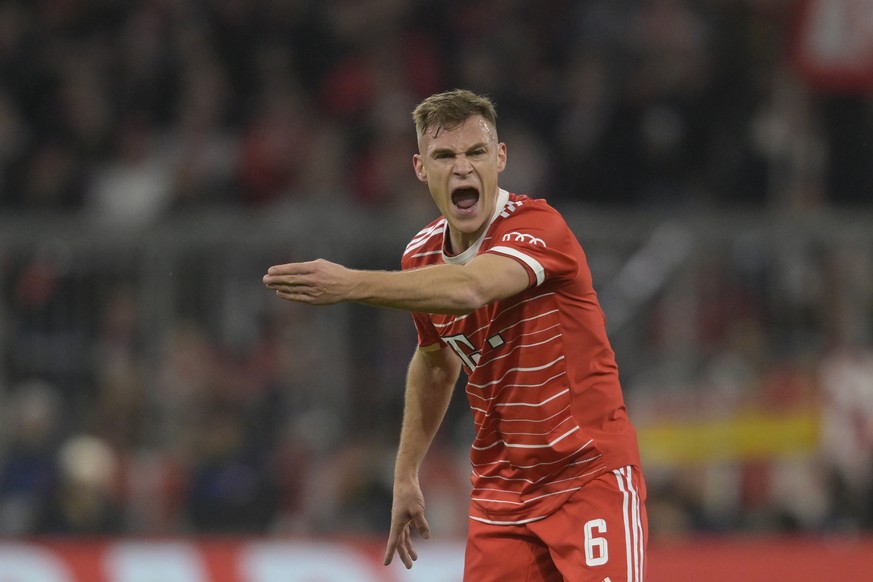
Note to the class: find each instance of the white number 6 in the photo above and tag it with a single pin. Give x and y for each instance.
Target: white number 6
(596, 548)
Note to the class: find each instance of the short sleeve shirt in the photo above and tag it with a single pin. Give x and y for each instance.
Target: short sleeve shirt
(542, 378)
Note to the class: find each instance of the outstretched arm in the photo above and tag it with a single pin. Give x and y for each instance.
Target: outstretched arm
(429, 384)
(455, 289)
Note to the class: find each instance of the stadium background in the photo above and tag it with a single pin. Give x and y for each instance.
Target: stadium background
(714, 158)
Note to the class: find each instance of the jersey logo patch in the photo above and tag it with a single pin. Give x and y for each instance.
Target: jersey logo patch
(523, 237)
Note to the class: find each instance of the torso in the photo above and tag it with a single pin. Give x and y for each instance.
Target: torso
(542, 381)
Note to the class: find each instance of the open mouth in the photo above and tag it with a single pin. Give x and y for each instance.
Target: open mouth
(465, 199)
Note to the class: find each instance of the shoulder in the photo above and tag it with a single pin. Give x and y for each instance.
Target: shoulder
(426, 243)
(522, 205)
(536, 234)
(526, 212)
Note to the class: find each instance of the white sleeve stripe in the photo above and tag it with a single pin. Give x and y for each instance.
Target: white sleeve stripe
(534, 265)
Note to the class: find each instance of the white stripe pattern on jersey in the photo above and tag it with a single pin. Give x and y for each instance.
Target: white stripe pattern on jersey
(633, 527)
(545, 463)
(525, 501)
(427, 253)
(517, 369)
(523, 446)
(519, 346)
(424, 235)
(538, 385)
(527, 520)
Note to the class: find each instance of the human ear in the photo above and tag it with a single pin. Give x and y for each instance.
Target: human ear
(418, 166)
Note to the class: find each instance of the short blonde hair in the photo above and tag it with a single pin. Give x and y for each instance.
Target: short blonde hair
(450, 109)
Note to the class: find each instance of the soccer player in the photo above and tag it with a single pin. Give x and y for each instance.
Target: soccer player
(499, 286)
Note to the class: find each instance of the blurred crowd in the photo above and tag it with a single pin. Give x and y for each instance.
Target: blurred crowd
(128, 112)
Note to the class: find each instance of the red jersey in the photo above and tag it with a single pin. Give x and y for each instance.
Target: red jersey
(542, 379)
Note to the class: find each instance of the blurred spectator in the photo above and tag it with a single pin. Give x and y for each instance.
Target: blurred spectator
(28, 468)
(847, 433)
(275, 146)
(352, 485)
(118, 412)
(231, 489)
(136, 187)
(85, 500)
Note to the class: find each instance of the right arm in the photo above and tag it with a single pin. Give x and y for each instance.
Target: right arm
(430, 382)
(446, 288)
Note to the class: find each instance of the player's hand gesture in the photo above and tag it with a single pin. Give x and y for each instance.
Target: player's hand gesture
(407, 512)
(316, 282)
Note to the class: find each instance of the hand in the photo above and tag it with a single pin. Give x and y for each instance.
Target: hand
(407, 511)
(316, 282)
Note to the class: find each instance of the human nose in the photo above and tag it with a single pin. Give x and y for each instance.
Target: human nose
(462, 165)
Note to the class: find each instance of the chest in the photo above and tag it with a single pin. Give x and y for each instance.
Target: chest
(502, 333)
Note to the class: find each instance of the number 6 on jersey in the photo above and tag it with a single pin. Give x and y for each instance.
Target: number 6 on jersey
(596, 548)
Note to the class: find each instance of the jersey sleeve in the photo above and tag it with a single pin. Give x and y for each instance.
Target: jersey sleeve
(538, 238)
(428, 338)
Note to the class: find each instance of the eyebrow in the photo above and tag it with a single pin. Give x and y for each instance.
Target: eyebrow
(446, 150)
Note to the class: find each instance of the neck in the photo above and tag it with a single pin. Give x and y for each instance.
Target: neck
(458, 243)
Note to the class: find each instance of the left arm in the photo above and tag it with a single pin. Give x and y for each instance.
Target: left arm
(455, 289)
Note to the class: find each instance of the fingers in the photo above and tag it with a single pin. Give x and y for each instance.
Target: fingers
(274, 281)
(409, 549)
(400, 542)
(389, 553)
(393, 541)
(296, 296)
(422, 526)
(290, 269)
(285, 275)
(293, 282)
(288, 285)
